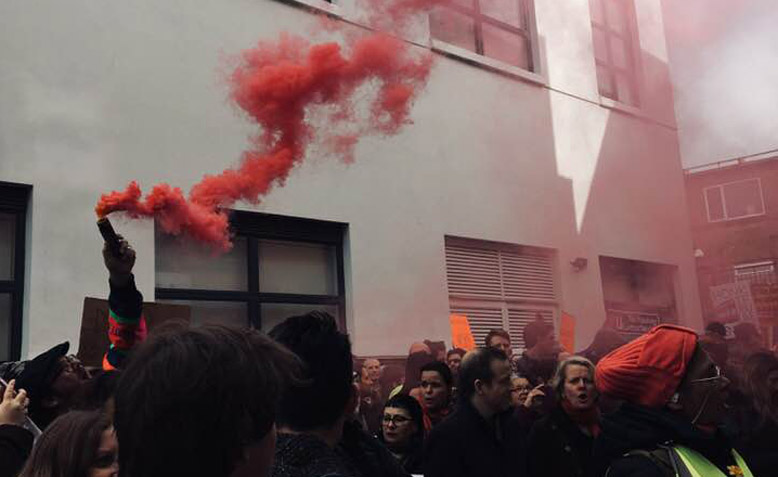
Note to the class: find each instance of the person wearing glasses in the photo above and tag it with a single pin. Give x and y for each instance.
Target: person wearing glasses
(402, 431)
(674, 401)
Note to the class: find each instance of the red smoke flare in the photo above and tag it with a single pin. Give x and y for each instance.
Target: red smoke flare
(278, 84)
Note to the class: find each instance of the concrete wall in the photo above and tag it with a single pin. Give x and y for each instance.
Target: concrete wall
(94, 94)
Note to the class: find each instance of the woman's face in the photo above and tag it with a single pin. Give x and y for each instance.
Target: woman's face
(520, 389)
(106, 462)
(398, 427)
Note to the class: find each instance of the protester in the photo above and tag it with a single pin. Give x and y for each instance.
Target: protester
(520, 388)
(480, 438)
(314, 437)
(392, 376)
(413, 366)
(500, 339)
(561, 443)
(714, 342)
(759, 421)
(748, 340)
(76, 444)
(674, 400)
(539, 361)
(201, 401)
(453, 360)
(15, 441)
(403, 431)
(436, 384)
(437, 350)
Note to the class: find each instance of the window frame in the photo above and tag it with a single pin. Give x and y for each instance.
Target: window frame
(631, 48)
(746, 272)
(14, 200)
(547, 307)
(723, 196)
(528, 32)
(256, 226)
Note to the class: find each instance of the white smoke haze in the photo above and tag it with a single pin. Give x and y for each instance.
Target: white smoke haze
(724, 66)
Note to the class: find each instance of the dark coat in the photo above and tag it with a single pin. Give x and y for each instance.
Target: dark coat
(558, 447)
(15, 447)
(466, 445)
(536, 371)
(758, 442)
(632, 439)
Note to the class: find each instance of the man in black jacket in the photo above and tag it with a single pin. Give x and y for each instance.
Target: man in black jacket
(481, 438)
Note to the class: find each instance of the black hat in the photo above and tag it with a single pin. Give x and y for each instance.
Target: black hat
(40, 372)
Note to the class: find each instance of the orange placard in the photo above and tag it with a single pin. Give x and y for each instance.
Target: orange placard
(567, 332)
(461, 336)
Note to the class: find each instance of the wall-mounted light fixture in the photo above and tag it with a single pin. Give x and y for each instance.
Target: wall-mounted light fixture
(579, 263)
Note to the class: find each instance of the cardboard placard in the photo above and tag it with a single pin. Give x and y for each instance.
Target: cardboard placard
(567, 332)
(461, 335)
(93, 342)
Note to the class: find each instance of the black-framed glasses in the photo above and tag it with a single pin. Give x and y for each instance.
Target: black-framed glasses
(395, 418)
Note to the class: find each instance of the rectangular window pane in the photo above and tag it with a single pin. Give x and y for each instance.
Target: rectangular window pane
(506, 11)
(5, 327)
(715, 204)
(619, 53)
(275, 313)
(605, 82)
(505, 46)
(188, 265)
(600, 46)
(743, 198)
(7, 246)
(453, 27)
(215, 312)
(295, 267)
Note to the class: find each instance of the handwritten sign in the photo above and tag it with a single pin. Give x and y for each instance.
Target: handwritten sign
(733, 302)
(461, 335)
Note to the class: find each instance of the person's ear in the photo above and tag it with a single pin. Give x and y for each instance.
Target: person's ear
(479, 386)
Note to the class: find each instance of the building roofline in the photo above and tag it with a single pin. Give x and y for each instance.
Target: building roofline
(738, 161)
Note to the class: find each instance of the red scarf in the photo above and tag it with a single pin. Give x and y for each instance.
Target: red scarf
(588, 419)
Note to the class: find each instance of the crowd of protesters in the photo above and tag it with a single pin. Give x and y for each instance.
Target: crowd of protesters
(218, 401)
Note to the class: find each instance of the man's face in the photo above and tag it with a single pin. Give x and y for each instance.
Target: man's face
(704, 391)
(434, 389)
(547, 345)
(497, 393)
(70, 378)
(501, 343)
(454, 360)
(398, 427)
(372, 369)
(579, 389)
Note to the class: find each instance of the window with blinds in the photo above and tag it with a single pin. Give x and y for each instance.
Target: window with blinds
(500, 286)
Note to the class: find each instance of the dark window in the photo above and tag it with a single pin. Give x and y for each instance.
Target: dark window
(499, 29)
(614, 33)
(13, 221)
(278, 267)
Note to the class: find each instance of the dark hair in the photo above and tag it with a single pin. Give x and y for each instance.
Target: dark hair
(435, 347)
(755, 371)
(96, 392)
(413, 367)
(390, 376)
(496, 332)
(535, 330)
(717, 328)
(68, 447)
(326, 353)
(458, 351)
(477, 365)
(191, 400)
(412, 407)
(440, 368)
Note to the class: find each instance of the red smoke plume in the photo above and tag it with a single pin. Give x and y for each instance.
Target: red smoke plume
(278, 84)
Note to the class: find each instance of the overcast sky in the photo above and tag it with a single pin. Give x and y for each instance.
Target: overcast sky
(724, 63)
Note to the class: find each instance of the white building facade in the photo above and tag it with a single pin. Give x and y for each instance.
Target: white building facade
(541, 174)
